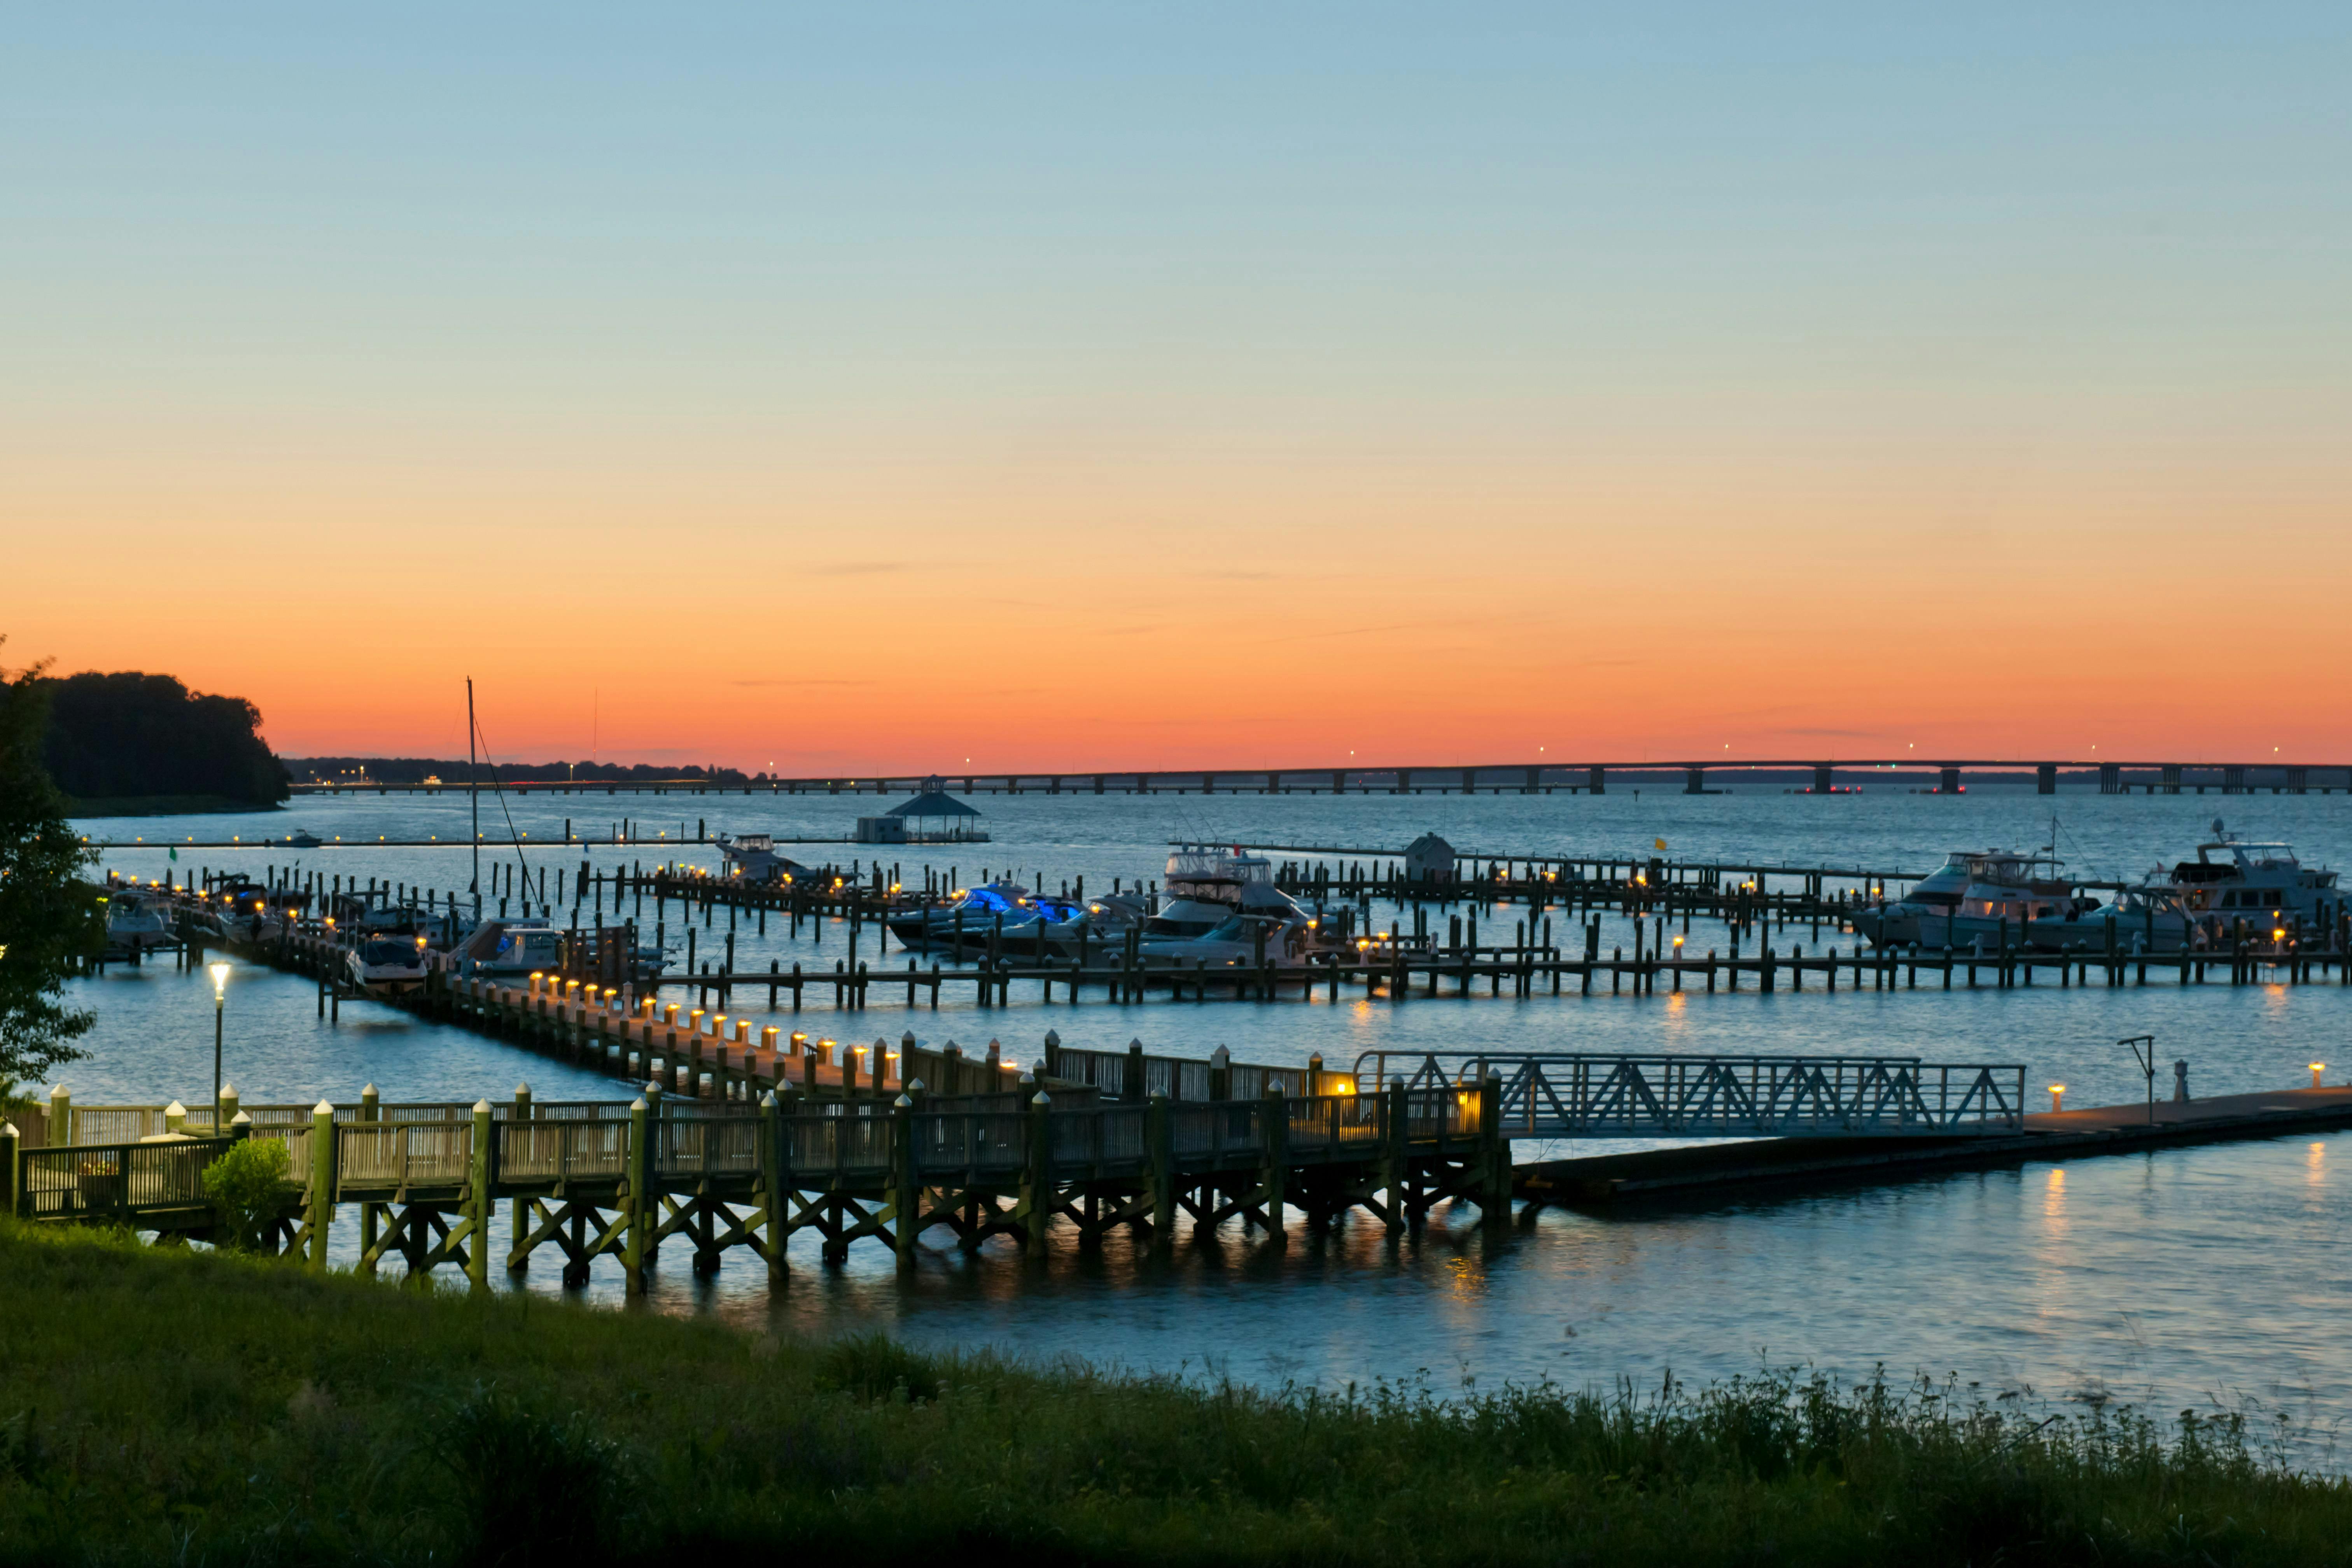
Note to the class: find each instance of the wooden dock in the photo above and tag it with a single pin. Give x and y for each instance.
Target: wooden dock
(1712, 1172)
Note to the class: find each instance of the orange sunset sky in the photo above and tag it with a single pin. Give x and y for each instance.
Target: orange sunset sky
(1087, 391)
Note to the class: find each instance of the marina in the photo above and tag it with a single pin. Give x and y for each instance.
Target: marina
(1113, 1296)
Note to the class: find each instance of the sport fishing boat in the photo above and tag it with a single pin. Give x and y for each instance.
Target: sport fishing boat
(1208, 885)
(2263, 885)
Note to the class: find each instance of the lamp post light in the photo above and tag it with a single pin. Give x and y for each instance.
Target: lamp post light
(220, 1005)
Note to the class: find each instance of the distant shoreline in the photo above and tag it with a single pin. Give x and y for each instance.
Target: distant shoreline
(165, 805)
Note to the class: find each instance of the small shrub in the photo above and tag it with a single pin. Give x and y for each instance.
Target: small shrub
(246, 1184)
(532, 1490)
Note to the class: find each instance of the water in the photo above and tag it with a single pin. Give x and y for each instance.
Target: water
(2190, 1277)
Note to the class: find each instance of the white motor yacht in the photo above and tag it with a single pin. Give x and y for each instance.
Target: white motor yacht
(1978, 896)
(1207, 884)
(2262, 885)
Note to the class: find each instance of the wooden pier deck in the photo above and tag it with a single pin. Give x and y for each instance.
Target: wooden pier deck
(1712, 1171)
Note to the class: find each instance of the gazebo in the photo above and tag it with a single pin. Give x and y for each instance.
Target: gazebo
(933, 817)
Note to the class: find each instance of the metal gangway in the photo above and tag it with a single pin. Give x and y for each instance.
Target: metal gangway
(1578, 1094)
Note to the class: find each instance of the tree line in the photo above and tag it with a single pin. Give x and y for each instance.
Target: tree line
(132, 734)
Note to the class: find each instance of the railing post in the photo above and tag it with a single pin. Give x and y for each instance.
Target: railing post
(772, 1179)
(61, 1115)
(1274, 1135)
(322, 1180)
(1037, 1176)
(637, 1202)
(1131, 1085)
(519, 1205)
(478, 1240)
(907, 1194)
(1493, 1152)
(1159, 1147)
(11, 1148)
(1396, 1149)
(1220, 1073)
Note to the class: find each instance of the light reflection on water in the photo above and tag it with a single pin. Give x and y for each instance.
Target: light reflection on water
(2186, 1277)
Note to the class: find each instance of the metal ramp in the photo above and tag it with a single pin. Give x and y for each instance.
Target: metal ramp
(1576, 1095)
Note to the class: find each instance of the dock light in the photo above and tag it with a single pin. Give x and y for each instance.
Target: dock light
(2278, 933)
(220, 1007)
(1678, 946)
(420, 944)
(2057, 1098)
(2315, 1069)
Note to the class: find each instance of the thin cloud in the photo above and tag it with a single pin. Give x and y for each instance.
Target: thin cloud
(857, 568)
(792, 683)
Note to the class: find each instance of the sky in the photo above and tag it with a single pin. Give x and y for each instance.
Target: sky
(878, 387)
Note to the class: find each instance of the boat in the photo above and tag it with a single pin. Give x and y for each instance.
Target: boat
(509, 948)
(385, 963)
(1242, 940)
(304, 839)
(1207, 884)
(2147, 918)
(2238, 886)
(2000, 894)
(1896, 925)
(1008, 911)
(135, 922)
(753, 857)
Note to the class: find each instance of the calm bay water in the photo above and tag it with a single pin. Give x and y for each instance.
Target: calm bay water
(2190, 1277)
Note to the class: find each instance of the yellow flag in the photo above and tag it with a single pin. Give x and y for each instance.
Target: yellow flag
(1659, 842)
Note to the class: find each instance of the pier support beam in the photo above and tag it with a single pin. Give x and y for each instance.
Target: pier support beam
(1693, 780)
(1597, 781)
(1822, 778)
(1948, 782)
(2233, 781)
(2172, 776)
(2045, 779)
(2110, 778)
(1404, 781)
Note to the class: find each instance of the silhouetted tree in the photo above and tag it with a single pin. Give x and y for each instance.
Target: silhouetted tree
(133, 734)
(50, 917)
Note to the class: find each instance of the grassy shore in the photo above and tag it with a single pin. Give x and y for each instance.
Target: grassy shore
(176, 1406)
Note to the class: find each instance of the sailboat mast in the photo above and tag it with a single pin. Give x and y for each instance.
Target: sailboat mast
(474, 796)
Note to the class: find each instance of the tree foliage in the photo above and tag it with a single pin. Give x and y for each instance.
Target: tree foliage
(245, 1184)
(129, 733)
(49, 916)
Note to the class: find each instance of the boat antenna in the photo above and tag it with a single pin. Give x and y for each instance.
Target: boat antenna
(474, 796)
(498, 790)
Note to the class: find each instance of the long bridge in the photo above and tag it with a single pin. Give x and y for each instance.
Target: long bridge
(1947, 773)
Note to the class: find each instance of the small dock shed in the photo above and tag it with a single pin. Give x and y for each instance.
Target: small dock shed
(1429, 858)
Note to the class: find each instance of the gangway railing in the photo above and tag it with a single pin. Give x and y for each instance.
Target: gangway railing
(1580, 1095)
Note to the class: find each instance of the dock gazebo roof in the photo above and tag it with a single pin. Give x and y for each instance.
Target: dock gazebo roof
(935, 815)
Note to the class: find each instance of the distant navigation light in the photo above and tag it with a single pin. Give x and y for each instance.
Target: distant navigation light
(2057, 1097)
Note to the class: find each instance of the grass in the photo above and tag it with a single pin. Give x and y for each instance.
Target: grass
(176, 1406)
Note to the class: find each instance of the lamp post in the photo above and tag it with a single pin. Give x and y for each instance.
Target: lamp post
(220, 1005)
